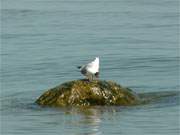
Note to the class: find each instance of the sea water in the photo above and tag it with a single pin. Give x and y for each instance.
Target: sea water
(42, 42)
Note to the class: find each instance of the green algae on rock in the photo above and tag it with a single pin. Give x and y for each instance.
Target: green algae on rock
(84, 93)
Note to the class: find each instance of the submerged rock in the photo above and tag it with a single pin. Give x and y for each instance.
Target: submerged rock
(84, 93)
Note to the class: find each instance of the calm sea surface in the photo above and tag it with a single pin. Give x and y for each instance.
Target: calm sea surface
(44, 40)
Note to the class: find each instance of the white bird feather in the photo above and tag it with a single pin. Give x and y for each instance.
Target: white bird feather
(91, 69)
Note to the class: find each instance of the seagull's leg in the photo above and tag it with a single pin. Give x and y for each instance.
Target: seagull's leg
(96, 75)
(88, 77)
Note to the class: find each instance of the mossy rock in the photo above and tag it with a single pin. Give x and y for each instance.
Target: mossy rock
(84, 93)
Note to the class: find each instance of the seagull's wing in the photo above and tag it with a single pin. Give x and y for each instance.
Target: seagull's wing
(93, 66)
(90, 65)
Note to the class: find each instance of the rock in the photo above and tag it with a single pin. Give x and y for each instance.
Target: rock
(84, 93)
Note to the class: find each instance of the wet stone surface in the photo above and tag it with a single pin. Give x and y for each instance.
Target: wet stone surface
(84, 93)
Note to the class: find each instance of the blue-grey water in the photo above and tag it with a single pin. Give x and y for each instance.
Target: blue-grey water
(42, 42)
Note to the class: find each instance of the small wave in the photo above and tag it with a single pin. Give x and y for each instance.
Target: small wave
(156, 97)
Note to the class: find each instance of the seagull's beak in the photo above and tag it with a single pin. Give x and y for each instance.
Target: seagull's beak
(79, 67)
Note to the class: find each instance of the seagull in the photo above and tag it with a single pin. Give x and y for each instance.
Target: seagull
(91, 70)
